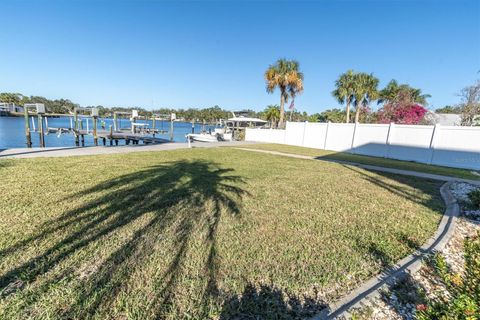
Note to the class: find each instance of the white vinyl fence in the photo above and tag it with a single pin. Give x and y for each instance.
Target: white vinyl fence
(457, 147)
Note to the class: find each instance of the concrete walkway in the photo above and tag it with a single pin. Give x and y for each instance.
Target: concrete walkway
(369, 167)
(85, 151)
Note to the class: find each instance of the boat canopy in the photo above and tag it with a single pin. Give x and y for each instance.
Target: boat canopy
(246, 119)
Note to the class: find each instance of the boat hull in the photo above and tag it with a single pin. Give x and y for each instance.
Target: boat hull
(202, 137)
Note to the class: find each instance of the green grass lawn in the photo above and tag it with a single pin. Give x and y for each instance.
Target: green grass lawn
(374, 161)
(200, 233)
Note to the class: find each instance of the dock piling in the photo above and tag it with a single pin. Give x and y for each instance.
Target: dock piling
(134, 120)
(28, 135)
(40, 131)
(172, 118)
(83, 136)
(153, 124)
(75, 120)
(111, 135)
(95, 138)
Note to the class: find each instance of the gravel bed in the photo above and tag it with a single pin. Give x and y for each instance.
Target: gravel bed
(401, 300)
(461, 191)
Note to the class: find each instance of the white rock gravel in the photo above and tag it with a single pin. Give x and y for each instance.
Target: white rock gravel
(399, 301)
(460, 191)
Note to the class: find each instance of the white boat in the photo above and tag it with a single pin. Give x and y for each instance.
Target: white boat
(203, 137)
(233, 126)
(242, 121)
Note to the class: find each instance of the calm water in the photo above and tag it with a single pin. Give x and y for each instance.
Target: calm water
(12, 131)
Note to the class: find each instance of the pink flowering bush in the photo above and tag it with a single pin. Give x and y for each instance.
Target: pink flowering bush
(402, 113)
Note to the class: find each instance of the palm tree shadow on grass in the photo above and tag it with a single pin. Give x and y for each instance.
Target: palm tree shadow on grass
(267, 302)
(184, 196)
(429, 186)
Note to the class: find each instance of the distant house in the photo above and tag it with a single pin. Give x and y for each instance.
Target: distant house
(445, 119)
(10, 107)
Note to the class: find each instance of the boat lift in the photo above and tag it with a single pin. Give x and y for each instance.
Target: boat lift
(136, 133)
(40, 111)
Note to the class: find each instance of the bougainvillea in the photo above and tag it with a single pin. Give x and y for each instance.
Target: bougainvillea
(401, 113)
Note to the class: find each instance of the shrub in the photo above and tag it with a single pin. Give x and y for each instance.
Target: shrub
(401, 113)
(464, 290)
(474, 197)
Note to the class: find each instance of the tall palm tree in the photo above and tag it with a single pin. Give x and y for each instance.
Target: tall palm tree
(295, 88)
(286, 76)
(272, 114)
(365, 90)
(344, 90)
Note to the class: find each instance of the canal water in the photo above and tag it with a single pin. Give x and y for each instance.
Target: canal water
(12, 131)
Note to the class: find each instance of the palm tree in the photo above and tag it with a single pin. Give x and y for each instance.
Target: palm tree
(394, 92)
(272, 114)
(390, 92)
(364, 91)
(285, 75)
(417, 96)
(344, 90)
(294, 89)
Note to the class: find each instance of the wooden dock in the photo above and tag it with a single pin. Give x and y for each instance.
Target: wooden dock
(114, 136)
(139, 132)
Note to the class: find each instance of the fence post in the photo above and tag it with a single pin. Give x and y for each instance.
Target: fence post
(435, 133)
(391, 127)
(326, 136)
(352, 147)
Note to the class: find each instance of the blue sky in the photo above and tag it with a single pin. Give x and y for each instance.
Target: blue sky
(198, 54)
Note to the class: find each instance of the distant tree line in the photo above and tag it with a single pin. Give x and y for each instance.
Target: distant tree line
(65, 106)
(399, 103)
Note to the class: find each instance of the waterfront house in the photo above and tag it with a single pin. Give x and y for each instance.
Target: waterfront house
(10, 107)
